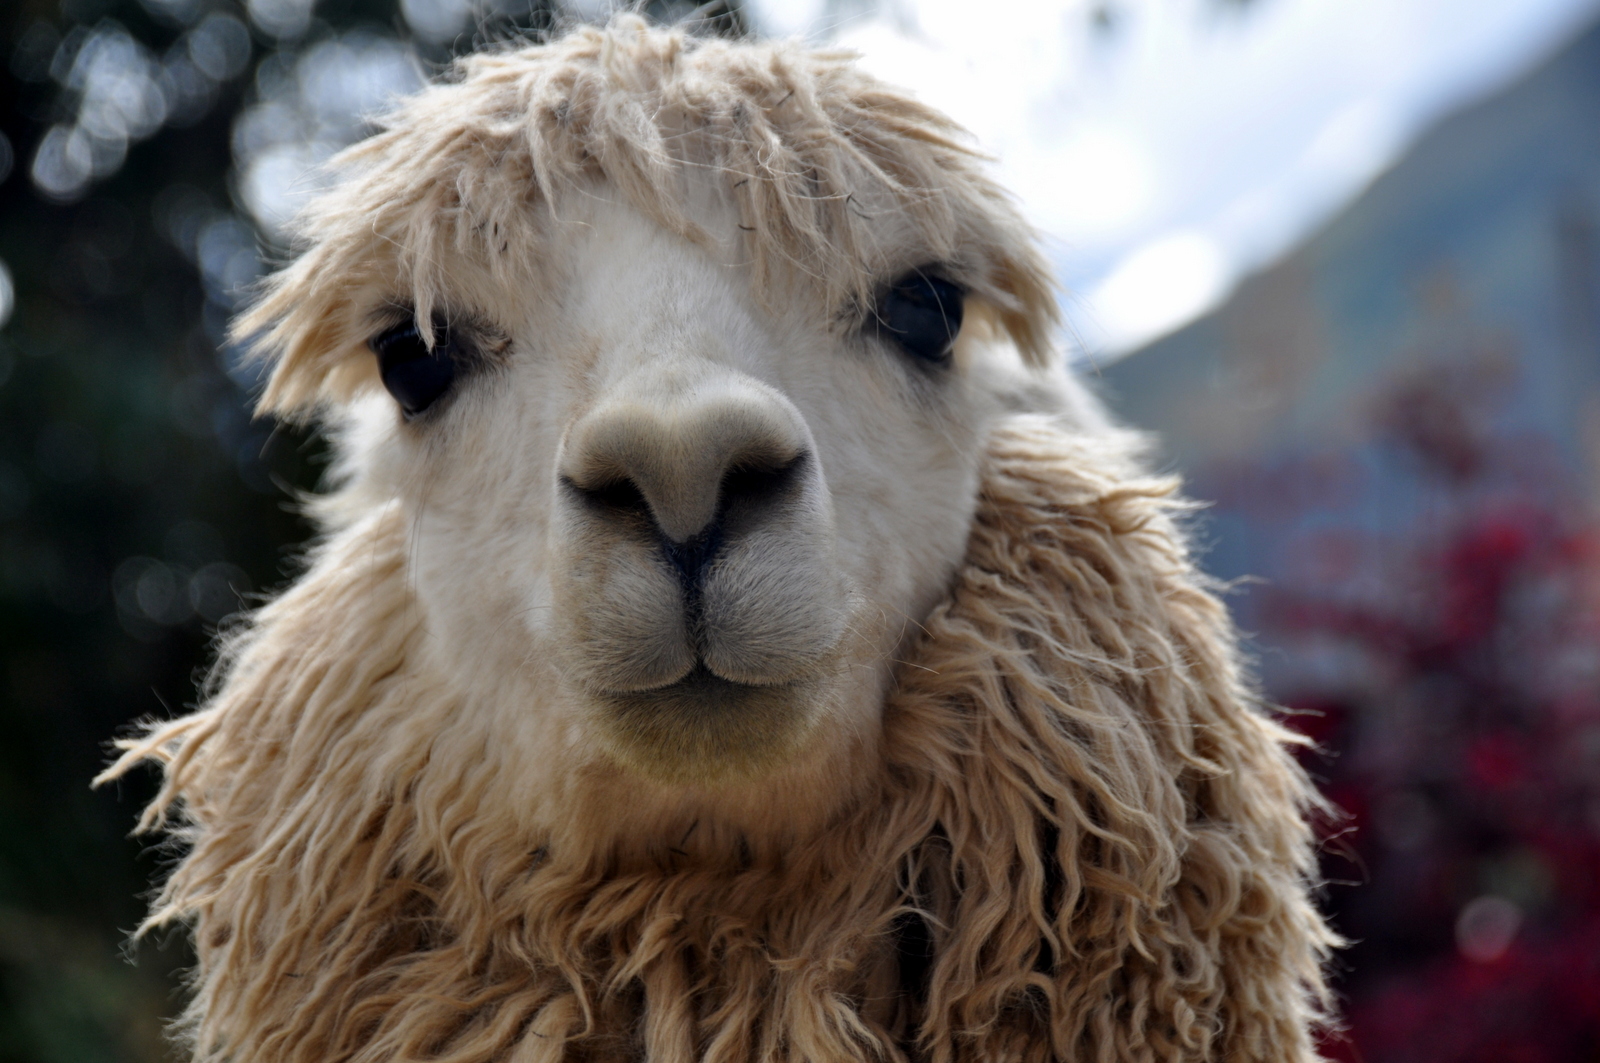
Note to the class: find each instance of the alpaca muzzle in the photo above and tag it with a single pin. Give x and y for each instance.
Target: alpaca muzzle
(698, 541)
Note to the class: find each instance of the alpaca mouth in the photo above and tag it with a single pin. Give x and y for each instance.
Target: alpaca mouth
(704, 725)
(708, 692)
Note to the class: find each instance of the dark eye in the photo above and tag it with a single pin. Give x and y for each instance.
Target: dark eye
(922, 315)
(414, 375)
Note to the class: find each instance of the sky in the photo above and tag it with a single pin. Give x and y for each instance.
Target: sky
(1173, 148)
(1164, 151)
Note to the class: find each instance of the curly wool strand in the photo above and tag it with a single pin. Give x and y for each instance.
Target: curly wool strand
(1102, 840)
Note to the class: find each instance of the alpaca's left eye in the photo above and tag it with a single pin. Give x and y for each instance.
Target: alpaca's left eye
(413, 374)
(921, 314)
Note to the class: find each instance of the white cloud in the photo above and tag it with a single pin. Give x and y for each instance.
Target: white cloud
(1096, 183)
(1154, 289)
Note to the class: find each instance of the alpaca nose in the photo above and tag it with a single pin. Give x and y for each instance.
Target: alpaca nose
(692, 468)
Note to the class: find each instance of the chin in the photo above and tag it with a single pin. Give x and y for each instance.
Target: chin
(704, 730)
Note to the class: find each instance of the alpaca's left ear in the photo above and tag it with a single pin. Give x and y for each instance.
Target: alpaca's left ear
(1007, 271)
(1024, 296)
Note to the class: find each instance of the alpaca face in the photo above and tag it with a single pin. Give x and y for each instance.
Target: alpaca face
(666, 373)
(661, 521)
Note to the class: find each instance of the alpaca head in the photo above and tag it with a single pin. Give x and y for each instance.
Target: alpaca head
(733, 638)
(679, 358)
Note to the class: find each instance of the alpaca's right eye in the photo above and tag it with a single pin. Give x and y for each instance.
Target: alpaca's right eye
(921, 314)
(414, 375)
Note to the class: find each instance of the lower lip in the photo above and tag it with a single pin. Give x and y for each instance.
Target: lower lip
(702, 689)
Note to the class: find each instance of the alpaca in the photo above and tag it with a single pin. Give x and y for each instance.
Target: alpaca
(733, 634)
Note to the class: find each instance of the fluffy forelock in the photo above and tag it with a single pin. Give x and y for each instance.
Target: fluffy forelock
(836, 178)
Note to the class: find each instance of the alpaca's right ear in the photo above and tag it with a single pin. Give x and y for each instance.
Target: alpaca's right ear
(409, 208)
(311, 326)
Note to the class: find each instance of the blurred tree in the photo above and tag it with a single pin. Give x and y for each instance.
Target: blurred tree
(137, 501)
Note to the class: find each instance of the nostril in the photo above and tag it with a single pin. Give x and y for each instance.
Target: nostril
(692, 557)
(619, 495)
(757, 482)
(749, 489)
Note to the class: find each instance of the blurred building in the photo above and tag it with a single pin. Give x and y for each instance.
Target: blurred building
(1399, 428)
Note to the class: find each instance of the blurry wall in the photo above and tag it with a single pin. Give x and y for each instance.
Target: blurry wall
(1399, 429)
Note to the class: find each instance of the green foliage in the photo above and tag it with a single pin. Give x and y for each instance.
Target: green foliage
(121, 437)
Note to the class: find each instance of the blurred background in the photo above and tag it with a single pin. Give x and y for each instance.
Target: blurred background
(1344, 255)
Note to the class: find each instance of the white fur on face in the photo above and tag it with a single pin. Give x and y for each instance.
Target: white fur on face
(646, 398)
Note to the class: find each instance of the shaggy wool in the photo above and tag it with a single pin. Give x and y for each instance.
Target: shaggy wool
(1085, 841)
(834, 174)
(1082, 838)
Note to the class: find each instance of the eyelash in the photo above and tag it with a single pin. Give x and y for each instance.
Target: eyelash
(414, 375)
(921, 314)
